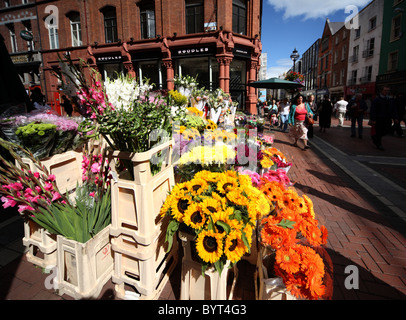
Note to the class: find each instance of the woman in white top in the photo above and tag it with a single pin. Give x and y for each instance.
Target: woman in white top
(284, 108)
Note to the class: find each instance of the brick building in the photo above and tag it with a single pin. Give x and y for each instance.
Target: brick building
(217, 40)
(19, 27)
(333, 60)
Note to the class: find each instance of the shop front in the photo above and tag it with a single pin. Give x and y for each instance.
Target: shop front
(148, 65)
(110, 65)
(368, 91)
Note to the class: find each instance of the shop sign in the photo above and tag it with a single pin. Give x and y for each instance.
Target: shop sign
(146, 55)
(192, 51)
(242, 52)
(364, 89)
(391, 77)
(21, 58)
(107, 59)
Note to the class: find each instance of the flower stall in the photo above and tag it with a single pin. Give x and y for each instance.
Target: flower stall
(176, 174)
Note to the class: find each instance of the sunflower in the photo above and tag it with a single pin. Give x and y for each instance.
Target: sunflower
(210, 206)
(179, 204)
(221, 216)
(166, 206)
(194, 216)
(288, 259)
(208, 176)
(234, 247)
(209, 246)
(191, 133)
(197, 186)
(226, 184)
(262, 206)
(248, 230)
(211, 125)
(236, 196)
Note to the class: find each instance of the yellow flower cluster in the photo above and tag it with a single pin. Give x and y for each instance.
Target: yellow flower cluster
(220, 136)
(221, 209)
(195, 111)
(208, 155)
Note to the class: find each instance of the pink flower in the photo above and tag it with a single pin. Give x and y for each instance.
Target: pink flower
(38, 189)
(36, 175)
(95, 167)
(22, 208)
(48, 186)
(8, 202)
(55, 196)
(17, 186)
(92, 194)
(51, 177)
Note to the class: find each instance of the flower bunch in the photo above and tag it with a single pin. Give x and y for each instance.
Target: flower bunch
(123, 91)
(290, 231)
(219, 154)
(272, 159)
(178, 98)
(94, 99)
(23, 188)
(38, 138)
(185, 81)
(220, 210)
(295, 76)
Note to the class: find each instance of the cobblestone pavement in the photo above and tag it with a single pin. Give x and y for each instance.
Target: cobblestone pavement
(358, 194)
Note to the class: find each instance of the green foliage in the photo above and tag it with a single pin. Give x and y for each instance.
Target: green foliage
(82, 222)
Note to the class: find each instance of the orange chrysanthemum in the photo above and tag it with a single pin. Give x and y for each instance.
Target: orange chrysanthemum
(288, 259)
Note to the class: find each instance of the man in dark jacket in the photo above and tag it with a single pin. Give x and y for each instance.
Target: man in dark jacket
(381, 116)
(357, 108)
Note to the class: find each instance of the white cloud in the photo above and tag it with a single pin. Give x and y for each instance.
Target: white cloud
(313, 9)
(282, 65)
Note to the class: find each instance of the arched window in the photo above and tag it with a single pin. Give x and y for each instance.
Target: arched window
(240, 16)
(194, 16)
(110, 24)
(75, 28)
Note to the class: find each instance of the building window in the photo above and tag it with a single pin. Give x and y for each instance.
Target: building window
(53, 37)
(369, 52)
(357, 32)
(372, 23)
(353, 79)
(396, 28)
(194, 16)
(110, 24)
(326, 62)
(25, 1)
(393, 61)
(147, 19)
(240, 16)
(6, 3)
(75, 28)
(342, 76)
(13, 38)
(343, 51)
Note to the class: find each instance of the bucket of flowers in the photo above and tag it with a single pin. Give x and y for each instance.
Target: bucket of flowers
(83, 225)
(292, 259)
(215, 214)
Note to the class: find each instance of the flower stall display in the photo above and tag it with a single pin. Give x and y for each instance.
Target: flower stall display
(273, 159)
(220, 210)
(292, 238)
(199, 98)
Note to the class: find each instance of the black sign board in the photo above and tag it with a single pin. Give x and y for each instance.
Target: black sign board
(193, 51)
(242, 52)
(109, 59)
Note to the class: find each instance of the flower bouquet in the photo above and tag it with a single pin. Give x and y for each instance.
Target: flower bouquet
(38, 198)
(292, 239)
(273, 159)
(38, 138)
(220, 210)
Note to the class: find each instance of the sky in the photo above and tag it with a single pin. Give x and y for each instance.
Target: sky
(290, 24)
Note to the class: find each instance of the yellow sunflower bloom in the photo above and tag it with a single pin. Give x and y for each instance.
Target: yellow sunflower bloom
(209, 246)
(234, 247)
(210, 206)
(236, 197)
(197, 186)
(194, 216)
(179, 205)
(226, 184)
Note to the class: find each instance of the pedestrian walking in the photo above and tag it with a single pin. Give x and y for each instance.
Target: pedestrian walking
(297, 116)
(313, 107)
(341, 108)
(357, 108)
(382, 114)
(284, 108)
(325, 112)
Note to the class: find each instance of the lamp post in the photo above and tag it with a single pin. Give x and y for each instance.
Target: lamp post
(294, 56)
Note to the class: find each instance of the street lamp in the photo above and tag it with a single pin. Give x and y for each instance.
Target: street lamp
(294, 56)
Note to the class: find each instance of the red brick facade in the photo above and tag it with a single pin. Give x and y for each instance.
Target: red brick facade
(170, 35)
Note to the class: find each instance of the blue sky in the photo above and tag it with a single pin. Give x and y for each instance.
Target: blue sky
(287, 24)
